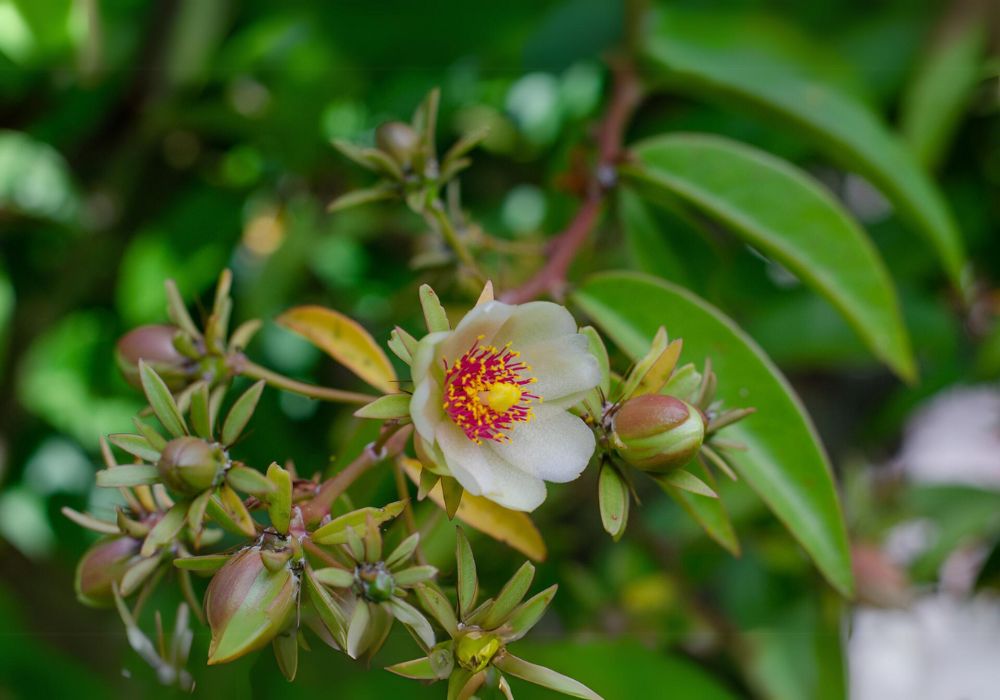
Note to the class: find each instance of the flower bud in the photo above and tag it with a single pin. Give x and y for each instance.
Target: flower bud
(189, 465)
(658, 433)
(475, 649)
(399, 141)
(247, 605)
(155, 345)
(377, 584)
(102, 565)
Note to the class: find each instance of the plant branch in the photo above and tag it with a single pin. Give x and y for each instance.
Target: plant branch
(254, 371)
(440, 220)
(551, 279)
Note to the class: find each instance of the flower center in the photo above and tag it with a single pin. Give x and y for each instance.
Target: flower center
(485, 392)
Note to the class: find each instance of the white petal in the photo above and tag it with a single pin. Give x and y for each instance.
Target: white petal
(483, 320)
(555, 445)
(482, 472)
(425, 408)
(564, 367)
(535, 322)
(427, 354)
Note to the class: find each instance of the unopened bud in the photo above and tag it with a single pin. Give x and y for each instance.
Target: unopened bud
(399, 141)
(377, 583)
(102, 565)
(658, 433)
(155, 346)
(475, 649)
(247, 605)
(189, 465)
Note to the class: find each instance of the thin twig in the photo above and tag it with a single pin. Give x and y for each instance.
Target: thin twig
(280, 381)
(551, 279)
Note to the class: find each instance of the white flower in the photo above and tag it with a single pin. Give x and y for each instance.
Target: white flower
(491, 398)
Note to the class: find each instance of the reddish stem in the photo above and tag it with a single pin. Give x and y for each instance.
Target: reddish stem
(551, 278)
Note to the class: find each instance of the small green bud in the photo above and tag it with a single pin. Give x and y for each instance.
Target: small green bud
(475, 649)
(102, 565)
(399, 141)
(189, 465)
(247, 605)
(155, 345)
(658, 433)
(377, 583)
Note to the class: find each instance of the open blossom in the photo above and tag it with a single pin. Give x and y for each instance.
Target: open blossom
(492, 398)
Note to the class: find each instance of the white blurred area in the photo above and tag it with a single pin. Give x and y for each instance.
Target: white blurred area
(943, 644)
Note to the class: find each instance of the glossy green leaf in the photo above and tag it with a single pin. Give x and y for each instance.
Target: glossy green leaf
(418, 669)
(250, 481)
(685, 52)
(527, 614)
(386, 407)
(200, 413)
(412, 618)
(545, 677)
(335, 577)
(335, 531)
(414, 574)
(434, 602)
(135, 445)
(164, 532)
(434, 315)
(241, 412)
(403, 552)
(780, 210)
(686, 481)
(327, 607)
(613, 498)
(286, 653)
(649, 246)
(785, 462)
(279, 502)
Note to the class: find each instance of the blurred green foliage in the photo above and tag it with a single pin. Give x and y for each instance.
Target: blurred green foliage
(146, 139)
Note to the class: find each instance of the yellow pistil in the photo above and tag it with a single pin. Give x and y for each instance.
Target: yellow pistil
(501, 396)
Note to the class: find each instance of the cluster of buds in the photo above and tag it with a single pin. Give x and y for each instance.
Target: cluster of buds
(659, 418)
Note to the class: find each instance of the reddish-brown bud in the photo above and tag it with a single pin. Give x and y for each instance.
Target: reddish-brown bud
(102, 565)
(189, 465)
(658, 433)
(154, 345)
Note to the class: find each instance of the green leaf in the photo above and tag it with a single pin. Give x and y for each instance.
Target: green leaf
(411, 617)
(649, 247)
(279, 502)
(434, 602)
(510, 596)
(204, 564)
(785, 462)
(200, 414)
(468, 581)
(434, 315)
(250, 481)
(545, 677)
(335, 531)
(933, 103)
(354, 198)
(414, 574)
(613, 498)
(286, 653)
(241, 412)
(417, 669)
(356, 629)
(137, 574)
(707, 511)
(686, 481)
(161, 400)
(164, 532)
(688, 56)
(127, 475)
(527, 614)
(327, 607)
(335, 577)
(403, 552)
(780, 210)
(386, 407)
(135, 445)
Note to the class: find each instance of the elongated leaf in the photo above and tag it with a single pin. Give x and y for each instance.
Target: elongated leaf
(204, 564)
(165, 530)
(334, 577)
(933, 104)
(411, 617)
(90, 522)
(513, 528)
(684, 51)
(161, 400)
(649, 246)
(545, 677)
(418, 669)
(279, 503)
(135, 445)
(686, 481)
(345, 340)
(403, 552)
(614, 498)
(327, 608)
(780, 210)
(708, 511)
(434, 315)
(386, 407)
(527, 614)
(434, 602)
(286, 653)
(200, 414)
(128, 475)
(510, 596)
(785, 462)
(241, 412)
(468, 581)
(335, 531)
(357, 628)
(250, 481)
